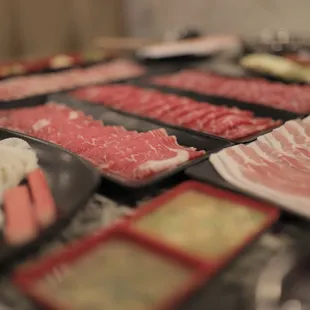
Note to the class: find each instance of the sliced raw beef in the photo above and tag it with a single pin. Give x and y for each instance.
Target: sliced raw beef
(231, 123)
(246, 130)
(21, 87)
(276, 167)
(295, 98)
(129, 155)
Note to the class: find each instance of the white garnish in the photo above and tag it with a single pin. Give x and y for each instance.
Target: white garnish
(40, 124)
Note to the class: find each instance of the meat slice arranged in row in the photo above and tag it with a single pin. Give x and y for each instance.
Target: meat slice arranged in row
(27, 86)
(275, 167)
(294, 98)
(114, 150)
(230, 123)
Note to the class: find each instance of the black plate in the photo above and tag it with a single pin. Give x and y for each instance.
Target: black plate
(72, 181)
(23, 102)
(205, 172)
(258, 110)
(111, 117)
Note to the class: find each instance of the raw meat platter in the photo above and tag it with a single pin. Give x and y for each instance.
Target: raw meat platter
(17, 89)
(70, 191)
(273, 168)
(259, 110)
(203, 143)
(255, 91)
(192, 112)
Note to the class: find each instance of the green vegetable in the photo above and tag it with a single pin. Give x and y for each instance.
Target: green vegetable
(276, 66)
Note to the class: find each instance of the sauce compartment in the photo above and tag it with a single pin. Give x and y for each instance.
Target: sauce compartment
(207, 224)
(131, 277)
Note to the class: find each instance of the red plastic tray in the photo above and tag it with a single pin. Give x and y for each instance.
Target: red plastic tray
(270, 211)
(26, 278)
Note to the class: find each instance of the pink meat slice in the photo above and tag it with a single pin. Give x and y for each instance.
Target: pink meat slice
(297, 166)
(271, 176)
(247, 130)
(82, 143)
(150, 157)
(155, 109)
(275, 167)
(188, 116)
(179, 111)
(227, 122)
(91, 93)
(99, 93)
(202, 124)
(281, 143)
(172, 108)
(124, 155)
(288, 136)
(17, 88)
(110, 144)
(72, 129)
(107, 147)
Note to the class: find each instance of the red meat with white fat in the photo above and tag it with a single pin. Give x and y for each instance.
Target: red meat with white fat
(128, 155)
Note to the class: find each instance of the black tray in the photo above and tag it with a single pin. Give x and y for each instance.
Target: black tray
(23, 103)
(82, 181)
(258, 110)
(185, 137)
(205, 172)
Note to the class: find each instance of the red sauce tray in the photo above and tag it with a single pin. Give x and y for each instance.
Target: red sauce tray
(209, 225)
(112, 270)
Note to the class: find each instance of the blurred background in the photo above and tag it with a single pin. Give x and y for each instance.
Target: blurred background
(38, 28)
